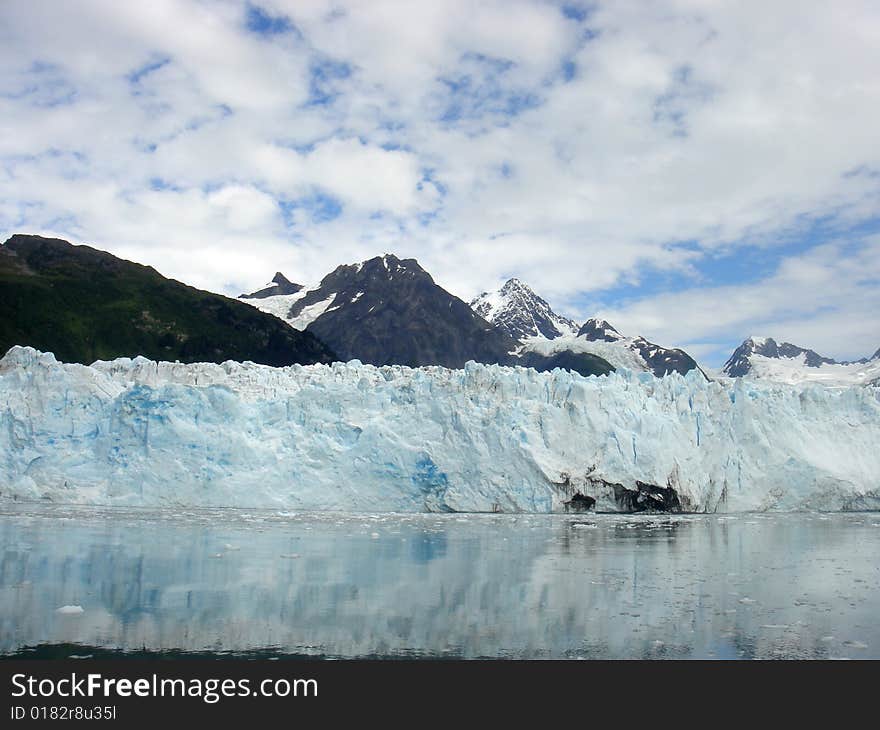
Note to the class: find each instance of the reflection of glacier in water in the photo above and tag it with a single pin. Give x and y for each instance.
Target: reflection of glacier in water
(604, 586)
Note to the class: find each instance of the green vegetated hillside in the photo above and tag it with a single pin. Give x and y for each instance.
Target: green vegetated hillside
(84, 305)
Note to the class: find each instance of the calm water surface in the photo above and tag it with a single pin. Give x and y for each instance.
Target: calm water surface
(598, 586)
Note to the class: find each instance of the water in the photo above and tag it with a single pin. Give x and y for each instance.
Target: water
(532, 586)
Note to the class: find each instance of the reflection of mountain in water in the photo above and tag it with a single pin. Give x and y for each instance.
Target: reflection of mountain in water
(490, 585)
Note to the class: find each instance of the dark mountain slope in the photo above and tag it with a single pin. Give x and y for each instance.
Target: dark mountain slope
(579, 362)
(389, 311)
(83, 304)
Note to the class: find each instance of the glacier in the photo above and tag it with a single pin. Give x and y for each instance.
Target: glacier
(354, 437)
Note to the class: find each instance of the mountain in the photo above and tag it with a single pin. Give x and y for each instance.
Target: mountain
(279, 285)
(657, 359)
(765, 358)
(549, 340)
(599, 330)
(83, 305)
(518, 311)
(389, 311)
(662, 360)
(599, 338)
(740, 362)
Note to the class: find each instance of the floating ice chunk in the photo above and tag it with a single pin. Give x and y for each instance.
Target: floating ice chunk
(852, 644)
(69, 610)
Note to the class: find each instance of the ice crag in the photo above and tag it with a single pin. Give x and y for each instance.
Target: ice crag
(357, 437)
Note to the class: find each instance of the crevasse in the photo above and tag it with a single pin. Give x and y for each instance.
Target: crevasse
(357, 437)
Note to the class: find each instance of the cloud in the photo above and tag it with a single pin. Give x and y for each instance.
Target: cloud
(607, 153)
(364, 176)
(827, 297)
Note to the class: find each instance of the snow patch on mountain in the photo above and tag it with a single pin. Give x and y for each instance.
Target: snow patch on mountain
(357, 437)
(598, 337)
(795, 370)
(310, 313)
(616, 353)
(284, 307)
(279, 305)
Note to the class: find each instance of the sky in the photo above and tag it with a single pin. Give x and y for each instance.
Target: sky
(693, 171)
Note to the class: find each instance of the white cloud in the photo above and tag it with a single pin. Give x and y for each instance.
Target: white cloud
(826, 299)
(714, 123)
(361, 175)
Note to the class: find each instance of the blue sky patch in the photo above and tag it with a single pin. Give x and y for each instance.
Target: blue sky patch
(478, 90)
(738, 264)
(135, 76)
(325, 208)
(261, 22)
(578, 13)
(670, 108)
(320, 207)
(863, 171)
(160, 184)
(429, 175)
(42, 85)
(323, 77)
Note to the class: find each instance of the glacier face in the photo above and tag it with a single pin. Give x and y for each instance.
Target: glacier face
(356, 437)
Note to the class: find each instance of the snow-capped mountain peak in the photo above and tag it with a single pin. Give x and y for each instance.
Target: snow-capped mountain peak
(280, 285)
(599, 330)
(300, 305)
(518, 311)
(766, 359)
(389, 310)
(741, 361)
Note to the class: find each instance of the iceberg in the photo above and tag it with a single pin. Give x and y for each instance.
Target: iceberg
(487, 438)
